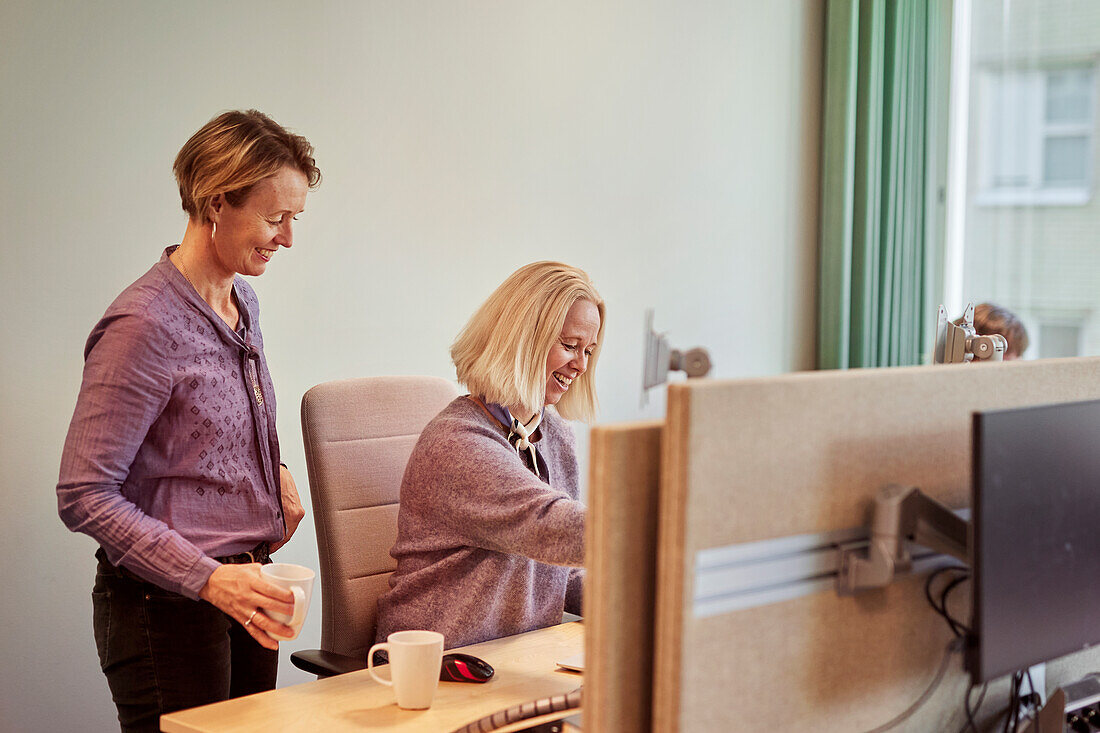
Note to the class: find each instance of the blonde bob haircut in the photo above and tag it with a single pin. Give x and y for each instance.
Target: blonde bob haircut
(501, 353)
(232, 153)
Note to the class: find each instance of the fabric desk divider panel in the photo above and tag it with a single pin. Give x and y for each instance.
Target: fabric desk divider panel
(758, 479)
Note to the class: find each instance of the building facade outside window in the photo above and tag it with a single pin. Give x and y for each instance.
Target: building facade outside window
(1037, 129)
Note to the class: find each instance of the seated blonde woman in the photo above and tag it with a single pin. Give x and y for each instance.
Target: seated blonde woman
(490, 534)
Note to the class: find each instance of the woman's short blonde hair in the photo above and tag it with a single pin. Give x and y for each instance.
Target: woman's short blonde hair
(501, 353)
(232, 153)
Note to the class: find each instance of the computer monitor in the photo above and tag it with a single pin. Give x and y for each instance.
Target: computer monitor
(1036, 551)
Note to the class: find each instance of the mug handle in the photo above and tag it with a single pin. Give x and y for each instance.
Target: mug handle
(299, 607)
(370, 663)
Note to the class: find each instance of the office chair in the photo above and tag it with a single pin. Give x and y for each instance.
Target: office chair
(358, 435)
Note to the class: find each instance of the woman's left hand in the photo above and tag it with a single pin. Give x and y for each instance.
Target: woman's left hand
(292, 506)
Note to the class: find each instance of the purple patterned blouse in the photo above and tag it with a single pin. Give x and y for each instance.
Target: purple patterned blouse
(172, 457)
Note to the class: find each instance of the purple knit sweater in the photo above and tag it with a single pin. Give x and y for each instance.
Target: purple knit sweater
(484, 547)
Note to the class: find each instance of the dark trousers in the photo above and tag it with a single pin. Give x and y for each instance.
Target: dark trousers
(162, 652)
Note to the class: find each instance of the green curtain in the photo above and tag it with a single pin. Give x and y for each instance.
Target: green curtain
(883, 100)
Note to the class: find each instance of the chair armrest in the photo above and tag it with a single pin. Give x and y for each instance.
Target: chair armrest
(325, 664)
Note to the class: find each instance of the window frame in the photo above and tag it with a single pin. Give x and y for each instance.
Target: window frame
(1036, 192)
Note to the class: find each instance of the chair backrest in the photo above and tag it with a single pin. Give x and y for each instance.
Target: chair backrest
(359, 434)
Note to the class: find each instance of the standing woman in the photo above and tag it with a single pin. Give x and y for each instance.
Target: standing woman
(490, 531)
(171, 462)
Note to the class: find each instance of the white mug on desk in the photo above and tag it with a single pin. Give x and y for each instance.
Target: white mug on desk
(299, 581)
(415, 660)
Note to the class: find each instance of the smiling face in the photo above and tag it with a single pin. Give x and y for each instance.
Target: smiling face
(568, 357)
(247, 236)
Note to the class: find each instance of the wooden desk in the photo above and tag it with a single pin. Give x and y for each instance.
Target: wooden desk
(525, 670)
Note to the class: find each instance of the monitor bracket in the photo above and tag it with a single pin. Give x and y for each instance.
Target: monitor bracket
(901, 514)
(959, 343)
(659, 359)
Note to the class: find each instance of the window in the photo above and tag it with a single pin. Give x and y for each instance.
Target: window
(1059, 339)
(1036, 135)
(1023, 226)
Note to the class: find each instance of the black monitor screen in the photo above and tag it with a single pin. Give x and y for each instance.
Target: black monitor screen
(1036, 548)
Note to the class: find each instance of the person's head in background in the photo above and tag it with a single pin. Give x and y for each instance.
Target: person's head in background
(535, 342)
(990, 319)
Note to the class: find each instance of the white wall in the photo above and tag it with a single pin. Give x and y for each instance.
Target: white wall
(668, 148)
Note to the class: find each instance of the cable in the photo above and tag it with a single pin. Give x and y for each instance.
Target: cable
(957, 627)
(1006, 728)
(1032, 695)
(971, 713)
(1012, 713)
(1015, 713)
(955, 645)
(940, 607)
(935, 574)
(1018, 701)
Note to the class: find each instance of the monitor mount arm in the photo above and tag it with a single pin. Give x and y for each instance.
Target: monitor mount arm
(959, 343)
(659, 359)
(901, 514)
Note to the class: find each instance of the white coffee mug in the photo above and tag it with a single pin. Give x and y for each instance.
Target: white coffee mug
(415, 660)
(299, 581)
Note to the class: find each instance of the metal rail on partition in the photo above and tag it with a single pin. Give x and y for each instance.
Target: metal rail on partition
(910, 534)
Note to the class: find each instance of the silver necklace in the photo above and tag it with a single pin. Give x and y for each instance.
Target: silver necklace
(183, 271)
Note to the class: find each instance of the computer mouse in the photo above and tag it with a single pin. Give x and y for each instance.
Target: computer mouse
(458, 667)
